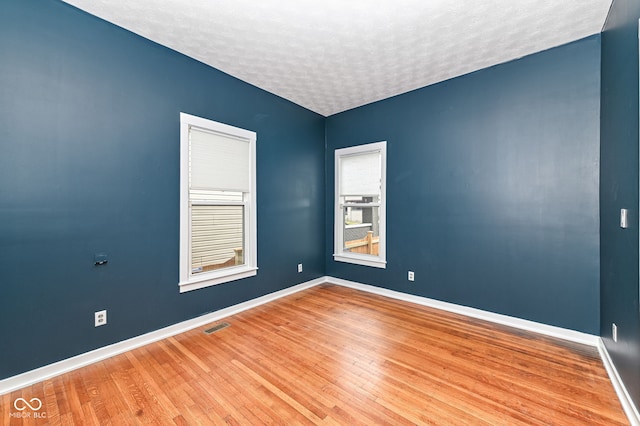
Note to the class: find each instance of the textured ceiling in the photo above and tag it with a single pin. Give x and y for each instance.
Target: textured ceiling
(333, 55)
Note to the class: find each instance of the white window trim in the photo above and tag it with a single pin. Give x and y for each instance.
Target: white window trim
(379, 261)
(189, 281)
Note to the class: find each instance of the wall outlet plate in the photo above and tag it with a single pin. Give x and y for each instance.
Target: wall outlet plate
(624, 218)
(100, 318)
(299, 267)
(614, 332)
(411, 276)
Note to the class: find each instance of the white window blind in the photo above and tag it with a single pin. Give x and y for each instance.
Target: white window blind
(219, 162)
(360, 174)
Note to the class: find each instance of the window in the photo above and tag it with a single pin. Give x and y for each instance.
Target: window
(217, 203)
(360, 204)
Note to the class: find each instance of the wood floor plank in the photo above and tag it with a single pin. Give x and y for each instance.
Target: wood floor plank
(331, 355)
(307, 363)
(356, 361)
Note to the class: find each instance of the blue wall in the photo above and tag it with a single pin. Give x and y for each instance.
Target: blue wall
(619, 189)
(492, 187)
(89, 163)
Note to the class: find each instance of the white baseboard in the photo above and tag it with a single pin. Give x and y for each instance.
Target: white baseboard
(618, 385)
(536, 327)
(43, 373)
(48, 371)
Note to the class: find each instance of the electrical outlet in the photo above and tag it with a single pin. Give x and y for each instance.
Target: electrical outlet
(614, 332)
(100, 318)
(624, 218)
(299, 267)
(410, 276)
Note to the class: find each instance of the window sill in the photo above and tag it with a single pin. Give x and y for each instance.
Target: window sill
(218, 277)
(364, 260)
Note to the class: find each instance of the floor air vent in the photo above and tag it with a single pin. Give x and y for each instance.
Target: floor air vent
(217, 327)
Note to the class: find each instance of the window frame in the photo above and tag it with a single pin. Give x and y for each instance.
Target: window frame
(189, 281)
(339, 255)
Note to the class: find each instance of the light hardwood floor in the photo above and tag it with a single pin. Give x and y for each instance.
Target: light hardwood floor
(333, 355)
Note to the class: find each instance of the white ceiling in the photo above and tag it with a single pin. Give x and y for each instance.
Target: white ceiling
(334, 55)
